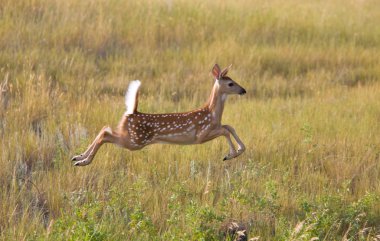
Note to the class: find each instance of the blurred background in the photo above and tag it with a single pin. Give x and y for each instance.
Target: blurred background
(310, 119)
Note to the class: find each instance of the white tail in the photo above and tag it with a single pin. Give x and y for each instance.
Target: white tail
(137, 129)
(130, 96)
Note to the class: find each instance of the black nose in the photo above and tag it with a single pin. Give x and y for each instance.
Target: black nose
(242, 92)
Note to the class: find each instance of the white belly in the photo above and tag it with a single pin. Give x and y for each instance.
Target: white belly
(182, 138)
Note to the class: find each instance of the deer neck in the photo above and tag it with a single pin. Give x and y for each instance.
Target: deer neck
(215, 103)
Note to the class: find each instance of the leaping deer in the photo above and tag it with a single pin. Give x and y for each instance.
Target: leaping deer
(137, 130)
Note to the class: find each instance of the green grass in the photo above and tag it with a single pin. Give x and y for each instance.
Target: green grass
(310, 119)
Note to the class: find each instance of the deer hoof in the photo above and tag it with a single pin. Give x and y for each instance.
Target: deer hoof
(77, 158)
(81, 163)
(228, 157)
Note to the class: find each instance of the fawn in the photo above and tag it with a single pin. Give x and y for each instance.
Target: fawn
(137, 130)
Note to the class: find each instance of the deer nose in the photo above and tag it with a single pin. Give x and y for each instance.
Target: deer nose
(242, 92)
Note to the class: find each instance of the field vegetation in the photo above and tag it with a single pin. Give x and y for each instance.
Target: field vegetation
(310, 119)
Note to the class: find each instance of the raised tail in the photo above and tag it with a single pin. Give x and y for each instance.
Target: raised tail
(131, 96)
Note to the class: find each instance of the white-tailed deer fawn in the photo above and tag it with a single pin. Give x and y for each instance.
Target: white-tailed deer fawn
(137, 129)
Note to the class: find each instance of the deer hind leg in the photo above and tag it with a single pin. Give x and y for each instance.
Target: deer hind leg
(85, 154)
(104, 136)
(241, 146)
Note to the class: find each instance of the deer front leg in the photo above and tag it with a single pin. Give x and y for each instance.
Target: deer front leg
(232, 153)
(241, 146)
(221, 132)
(104, 136)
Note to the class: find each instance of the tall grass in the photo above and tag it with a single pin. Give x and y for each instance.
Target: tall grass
(310, 119)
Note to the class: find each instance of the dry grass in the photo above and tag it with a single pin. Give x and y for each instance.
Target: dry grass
(310, 119)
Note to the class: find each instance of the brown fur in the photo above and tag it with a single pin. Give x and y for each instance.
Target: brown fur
(138, 130)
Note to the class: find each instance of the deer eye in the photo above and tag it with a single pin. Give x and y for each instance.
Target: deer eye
(231, 84)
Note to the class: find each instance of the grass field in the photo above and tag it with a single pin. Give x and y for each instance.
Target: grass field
(310, 119)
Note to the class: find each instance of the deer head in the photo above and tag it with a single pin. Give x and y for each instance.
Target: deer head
(226, 84)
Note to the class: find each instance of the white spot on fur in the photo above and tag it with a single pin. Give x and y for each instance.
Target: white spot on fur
(224, 96)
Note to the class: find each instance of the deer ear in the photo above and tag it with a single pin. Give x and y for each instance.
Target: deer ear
(225, 71)
(216, 71)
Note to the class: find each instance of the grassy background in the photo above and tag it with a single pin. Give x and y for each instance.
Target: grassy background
(310, 119)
